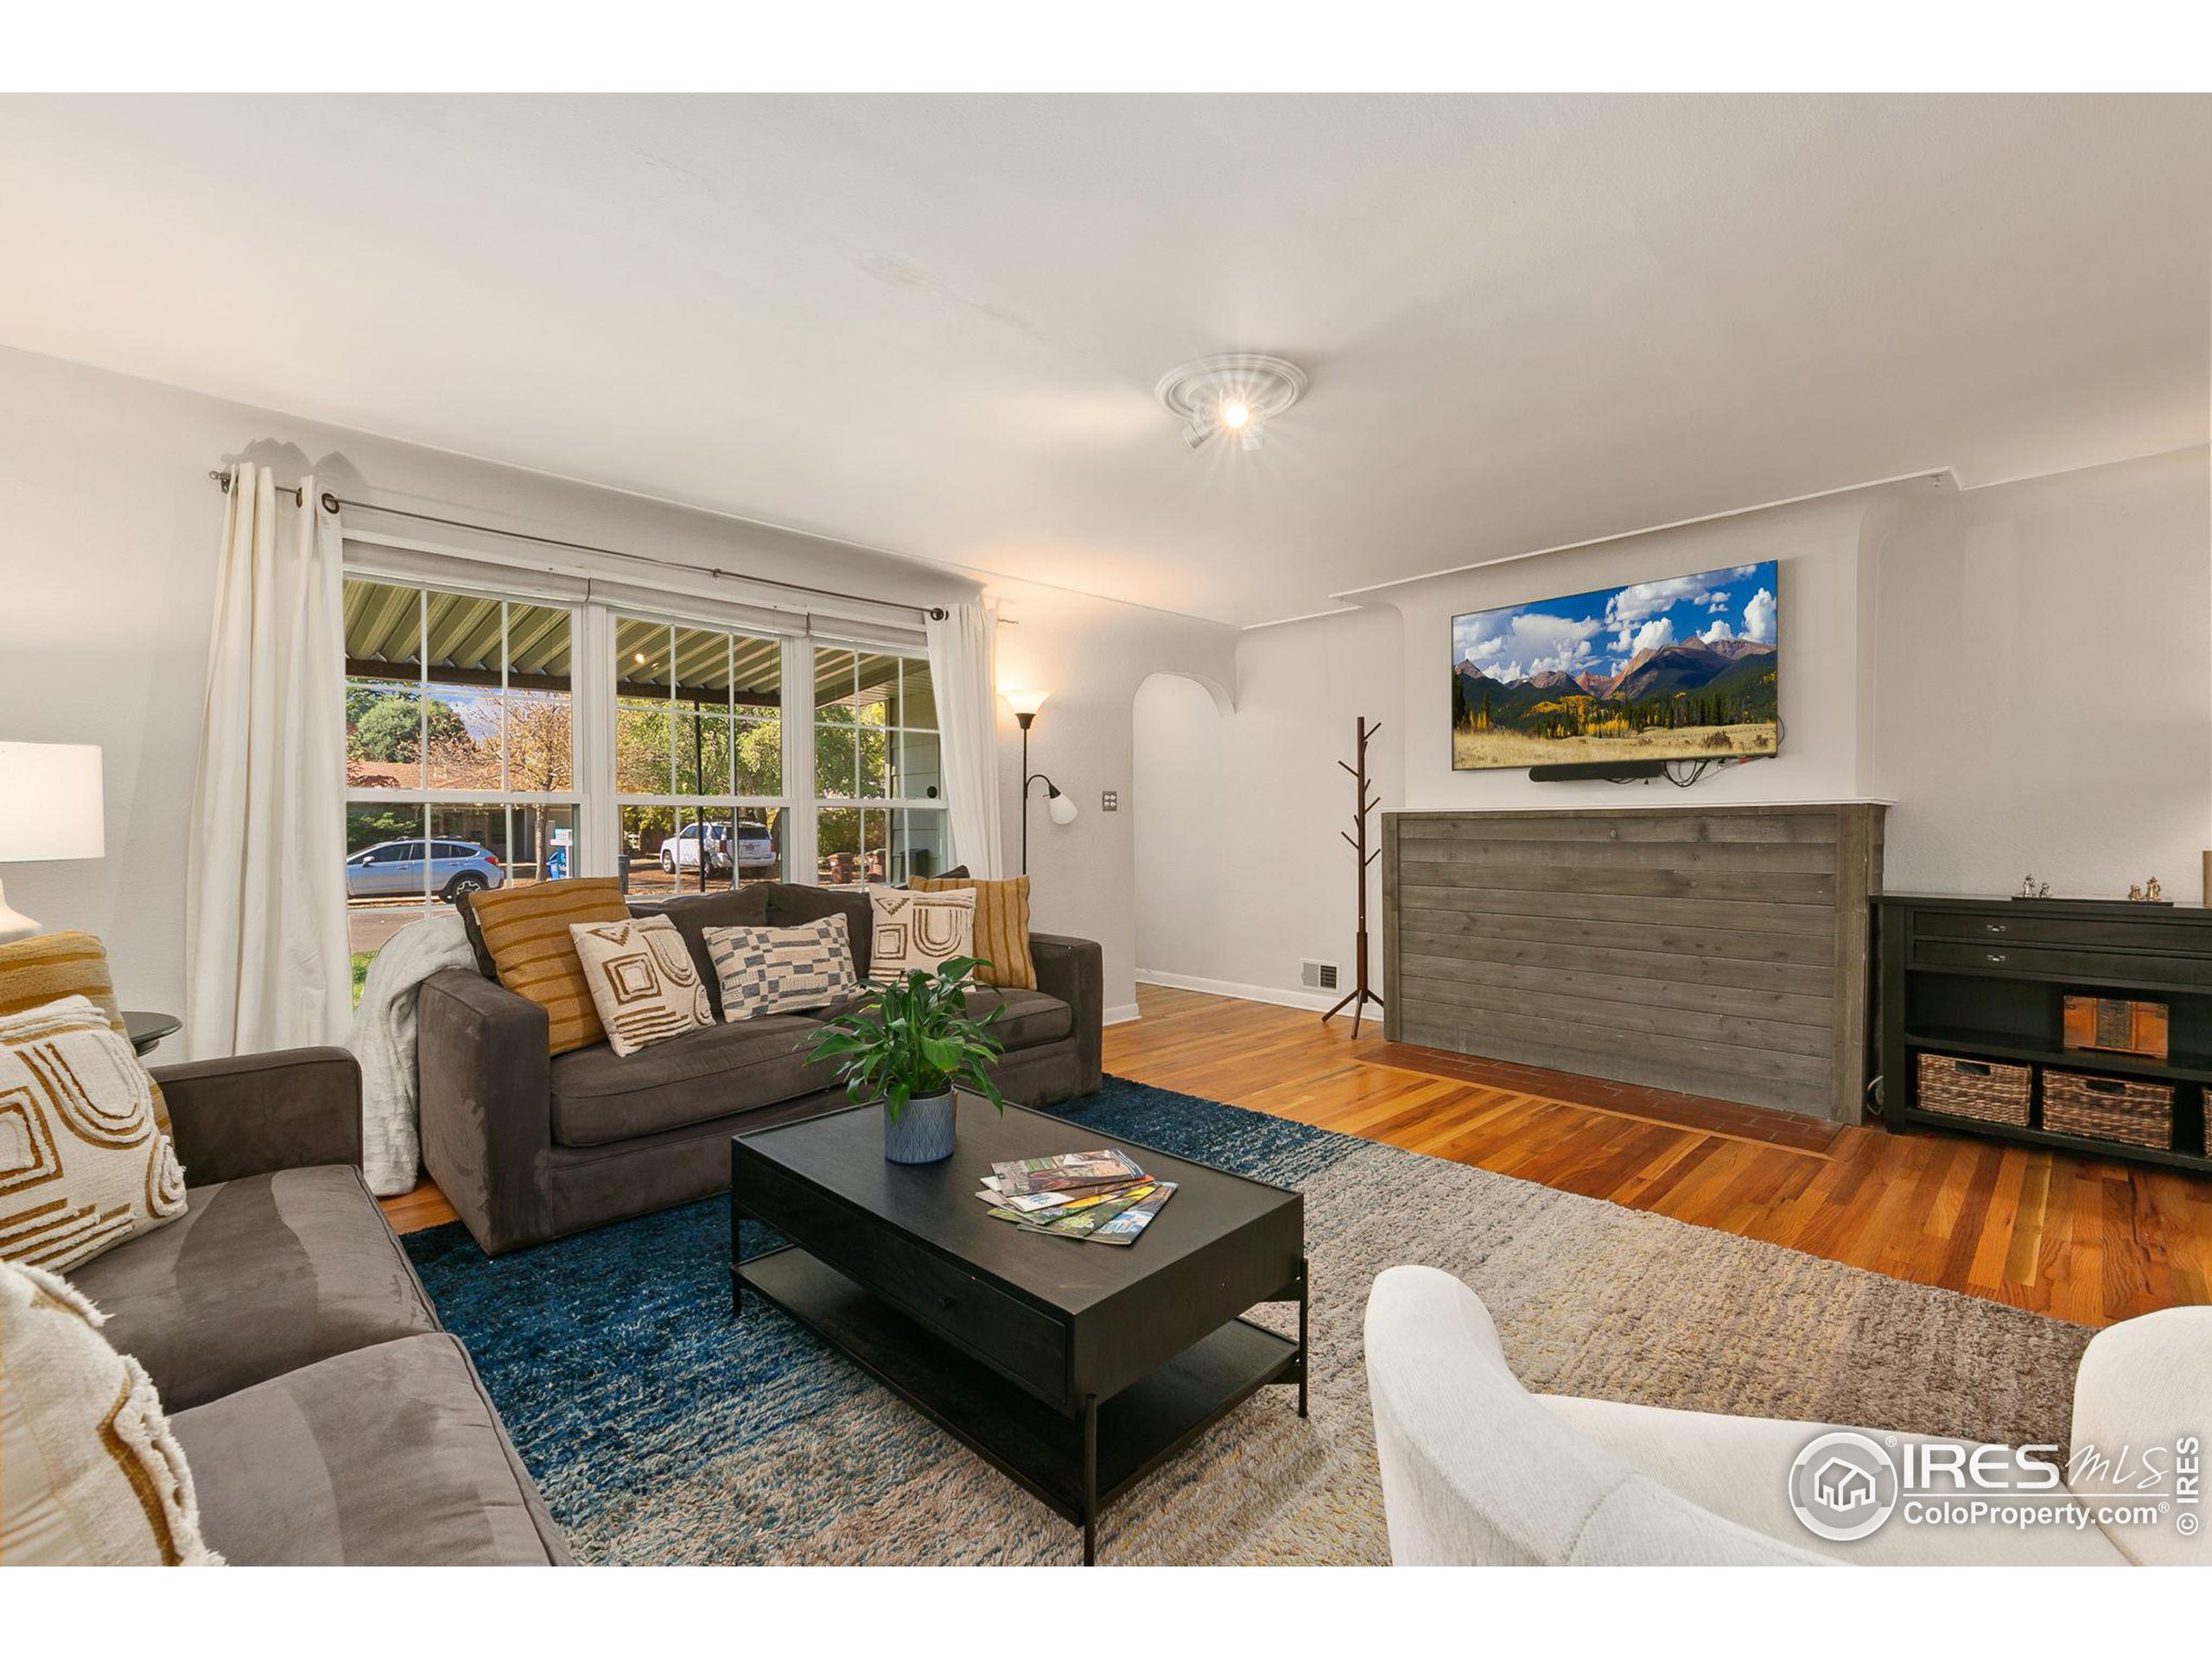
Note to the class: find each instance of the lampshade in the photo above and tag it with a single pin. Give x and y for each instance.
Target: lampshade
(1062, 807)
(1023, 701)
(50, 801)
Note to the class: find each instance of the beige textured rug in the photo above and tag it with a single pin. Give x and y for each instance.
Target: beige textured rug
(802, 1459)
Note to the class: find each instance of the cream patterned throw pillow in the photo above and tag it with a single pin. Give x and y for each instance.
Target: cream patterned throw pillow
(774, 969)
(919, 929)
(84, 1165)
(94, 1478)
(643, 981)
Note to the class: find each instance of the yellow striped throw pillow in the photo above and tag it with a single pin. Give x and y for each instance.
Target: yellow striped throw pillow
(525, 929)
(47, 967)
(1002, 927)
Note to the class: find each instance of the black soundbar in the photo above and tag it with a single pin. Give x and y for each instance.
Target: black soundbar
(1601, 772)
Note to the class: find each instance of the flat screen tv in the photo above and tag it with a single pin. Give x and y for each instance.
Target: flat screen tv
(1681, 670)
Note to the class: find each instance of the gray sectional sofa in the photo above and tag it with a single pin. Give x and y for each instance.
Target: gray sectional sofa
(327, 1417)
(527, 1148)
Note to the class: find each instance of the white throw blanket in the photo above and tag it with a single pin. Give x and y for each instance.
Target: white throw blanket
(383, 1042)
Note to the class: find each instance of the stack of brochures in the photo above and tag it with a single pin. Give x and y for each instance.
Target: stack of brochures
(1104, 1197)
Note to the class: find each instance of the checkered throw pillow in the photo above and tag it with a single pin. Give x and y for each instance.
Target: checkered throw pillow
(782, 969)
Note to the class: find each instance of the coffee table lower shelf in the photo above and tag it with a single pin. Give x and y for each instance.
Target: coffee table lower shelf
(1075, 1464)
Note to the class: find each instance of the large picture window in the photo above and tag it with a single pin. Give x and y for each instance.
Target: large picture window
(685, 757)
(698, 757)
(877, 772)
(460, 752)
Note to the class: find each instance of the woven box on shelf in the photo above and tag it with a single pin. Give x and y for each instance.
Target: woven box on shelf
(1987, 1089)
(2108, 1109)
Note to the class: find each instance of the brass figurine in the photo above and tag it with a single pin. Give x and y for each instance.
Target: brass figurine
(2030, 890)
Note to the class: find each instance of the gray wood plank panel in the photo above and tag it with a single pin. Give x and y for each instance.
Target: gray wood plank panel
(1737, 1030)
(1788, 889)
(1536, 1042)
(1793, 857)
(1656, 827)
(1393, 897)
(1649, 828)
(1719, 949)
(1549, 982)
(1855, 880)
(1812, 921)
(1810, 1071)
(1434, 938)
(1735, 944)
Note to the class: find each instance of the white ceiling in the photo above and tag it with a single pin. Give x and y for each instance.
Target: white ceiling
(933, 324)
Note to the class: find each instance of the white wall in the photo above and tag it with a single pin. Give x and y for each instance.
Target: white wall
(1824, 614)
(108, 534)
(2063, 623)
(2025, 670)
(1091, 655)
(1241, 873)
(2046, 651)
(1188, 832)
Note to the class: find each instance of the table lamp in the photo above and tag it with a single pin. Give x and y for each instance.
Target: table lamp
(50, 808)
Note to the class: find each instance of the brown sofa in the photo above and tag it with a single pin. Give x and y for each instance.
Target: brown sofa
(528, 1148)
(328, 1417)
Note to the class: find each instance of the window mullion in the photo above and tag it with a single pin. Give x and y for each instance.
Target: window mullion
(422, 717)
(591, 725)
(797, 684)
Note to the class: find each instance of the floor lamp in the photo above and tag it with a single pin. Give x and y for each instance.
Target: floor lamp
(1025, 705)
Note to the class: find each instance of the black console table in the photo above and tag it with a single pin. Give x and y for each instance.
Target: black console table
(1985, 979)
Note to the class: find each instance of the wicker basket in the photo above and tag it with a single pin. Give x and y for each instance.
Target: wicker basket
(2125, 1109)
(1987, 1089)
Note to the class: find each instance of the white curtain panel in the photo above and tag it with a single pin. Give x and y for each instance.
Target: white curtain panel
(265, 883)
(967, 717)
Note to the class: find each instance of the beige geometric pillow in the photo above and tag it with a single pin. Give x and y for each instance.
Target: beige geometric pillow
(83, 1164)
(918, 930)
(772, 969)
(643, 981)
(94, 1478)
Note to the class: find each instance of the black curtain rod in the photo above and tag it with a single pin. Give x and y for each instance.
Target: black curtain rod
(332, 503)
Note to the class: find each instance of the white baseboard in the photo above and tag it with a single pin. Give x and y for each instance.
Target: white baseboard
(1120, 1016)
(1316, 1001)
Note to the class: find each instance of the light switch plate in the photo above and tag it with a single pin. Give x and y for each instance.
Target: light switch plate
(1109, 800)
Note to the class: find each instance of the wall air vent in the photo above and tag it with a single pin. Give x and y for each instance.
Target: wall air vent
(1317, 975)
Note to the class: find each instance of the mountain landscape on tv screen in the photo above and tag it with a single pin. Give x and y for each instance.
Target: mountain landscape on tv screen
(1685, 669)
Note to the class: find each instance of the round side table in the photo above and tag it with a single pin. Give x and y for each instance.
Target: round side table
(146, 1030)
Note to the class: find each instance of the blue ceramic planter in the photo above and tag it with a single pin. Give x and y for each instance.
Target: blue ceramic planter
(923, 1134)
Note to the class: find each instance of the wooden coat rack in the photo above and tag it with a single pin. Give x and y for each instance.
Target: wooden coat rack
(1360, 995)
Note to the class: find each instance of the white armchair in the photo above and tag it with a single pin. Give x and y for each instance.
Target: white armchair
(1478, 1471)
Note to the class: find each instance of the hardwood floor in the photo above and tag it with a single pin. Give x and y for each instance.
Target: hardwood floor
(2077, 1237)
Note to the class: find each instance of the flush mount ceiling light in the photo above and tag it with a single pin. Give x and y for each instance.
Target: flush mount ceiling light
(1236, 394)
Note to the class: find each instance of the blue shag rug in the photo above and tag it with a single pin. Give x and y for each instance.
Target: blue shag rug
(661, 1431)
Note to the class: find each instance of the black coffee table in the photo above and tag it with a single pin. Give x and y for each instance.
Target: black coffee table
(1075, 1367)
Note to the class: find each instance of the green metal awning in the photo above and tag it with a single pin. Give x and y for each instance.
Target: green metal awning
(386, 627)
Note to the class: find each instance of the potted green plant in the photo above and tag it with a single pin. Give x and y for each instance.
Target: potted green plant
(910, 1045)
